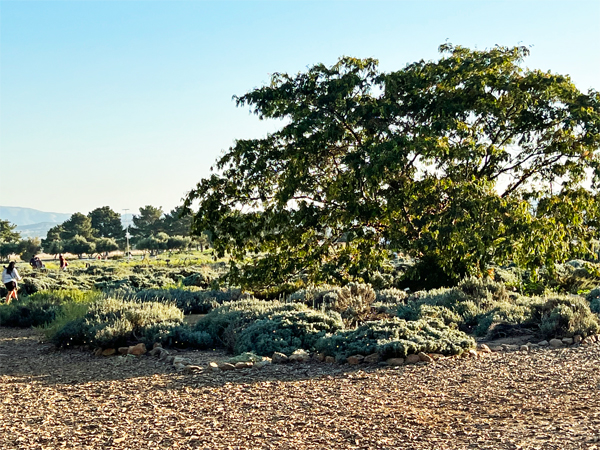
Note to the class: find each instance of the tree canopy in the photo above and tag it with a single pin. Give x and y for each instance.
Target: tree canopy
(459, 162)
(107, 223)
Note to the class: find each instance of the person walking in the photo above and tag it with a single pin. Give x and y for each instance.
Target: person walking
(10, 276)
(63, 262)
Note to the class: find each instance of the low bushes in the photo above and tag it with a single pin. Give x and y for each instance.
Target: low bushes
(478, 306)
(225, 323)
(396, 338)
(287, 332)
(41, 308)
(115, 322)
(190, 300)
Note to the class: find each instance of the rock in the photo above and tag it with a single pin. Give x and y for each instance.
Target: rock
(243, 365)
(411, 359)
(164, 354)
(483, 348)
(279, 358)
(261, 364)
(473, 353)
(109, 352)
(373, 358)
(425, 357)
(156, 345)
(138, 350)
(524, 348)
(556, 343)
(355, 359)
(98, 352)
(226, 366)
(123, 350)
(319, 357)
(510, 347)
(181, 360)
(156, 351)
(179, 366)
(329, 359)
(245, 357)
(169, 359)
(577, 339)
(496, 349)
(543, 343)
(436, 356)
(299, 355)
(192, 369)
(395, 361)
(213, 366)
(567, 341)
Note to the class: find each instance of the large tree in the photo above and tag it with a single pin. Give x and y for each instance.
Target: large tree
(459, 162)
(148, 222)
(106, 223)
(77, 225)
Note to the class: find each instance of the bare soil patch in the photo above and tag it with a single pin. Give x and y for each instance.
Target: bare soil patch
(545, 399)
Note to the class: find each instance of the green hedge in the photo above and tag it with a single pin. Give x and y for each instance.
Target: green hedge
(190, 300)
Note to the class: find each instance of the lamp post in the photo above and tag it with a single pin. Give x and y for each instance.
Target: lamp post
(127, 236)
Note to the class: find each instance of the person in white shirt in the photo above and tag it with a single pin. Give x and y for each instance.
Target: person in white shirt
(10, 276)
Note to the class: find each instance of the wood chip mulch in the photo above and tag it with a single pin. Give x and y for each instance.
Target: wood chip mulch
(544, 399)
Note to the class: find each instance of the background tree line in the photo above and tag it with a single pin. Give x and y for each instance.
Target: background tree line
(102, 231)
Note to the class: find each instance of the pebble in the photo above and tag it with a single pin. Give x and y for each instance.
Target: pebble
(279, 358)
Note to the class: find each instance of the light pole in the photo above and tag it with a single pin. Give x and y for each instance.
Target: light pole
(127, 236)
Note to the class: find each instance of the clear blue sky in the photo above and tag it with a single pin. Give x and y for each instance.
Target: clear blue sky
(128, 103)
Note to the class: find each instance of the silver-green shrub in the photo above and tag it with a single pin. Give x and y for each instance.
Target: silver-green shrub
(396, 338)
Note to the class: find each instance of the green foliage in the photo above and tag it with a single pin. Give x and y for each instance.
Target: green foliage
(106, 224)
(77, 225)
(190, 300)
(391, 295)
(409, 161)
(594, 298)
(28, 248)
(396, 338)
(354, 303)
(175, 334)
(287, 332)
(567, 316)
(79, 245)
(113, 322)
(225, 323)
(148, 222)
(27, 313)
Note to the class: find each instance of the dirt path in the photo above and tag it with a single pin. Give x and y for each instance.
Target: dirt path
(547, 399)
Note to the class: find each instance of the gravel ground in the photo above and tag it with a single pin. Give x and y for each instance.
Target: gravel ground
(545, 399)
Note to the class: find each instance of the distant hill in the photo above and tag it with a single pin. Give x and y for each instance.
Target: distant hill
(28, 216)
(39, 230)
(34, 223)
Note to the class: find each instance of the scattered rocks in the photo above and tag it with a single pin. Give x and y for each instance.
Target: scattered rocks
(226, 367)
(156, 351)
(483, 348)
(412, 359)
(395, 361)
(123, 350)
(244, 365)
(355, 359)
(329, 359)
(299, 355)
(213, 367)
(567, 341)
(279, 358)
(472, 353)
(577, 339)
(373, 358)
(108, 352)
(425, 357)
(524, 348)
(556, 343)
(138, 350)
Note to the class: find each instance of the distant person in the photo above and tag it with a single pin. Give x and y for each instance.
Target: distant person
(32, 262)
(38, 263)
(10, 276)
(63, 262)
